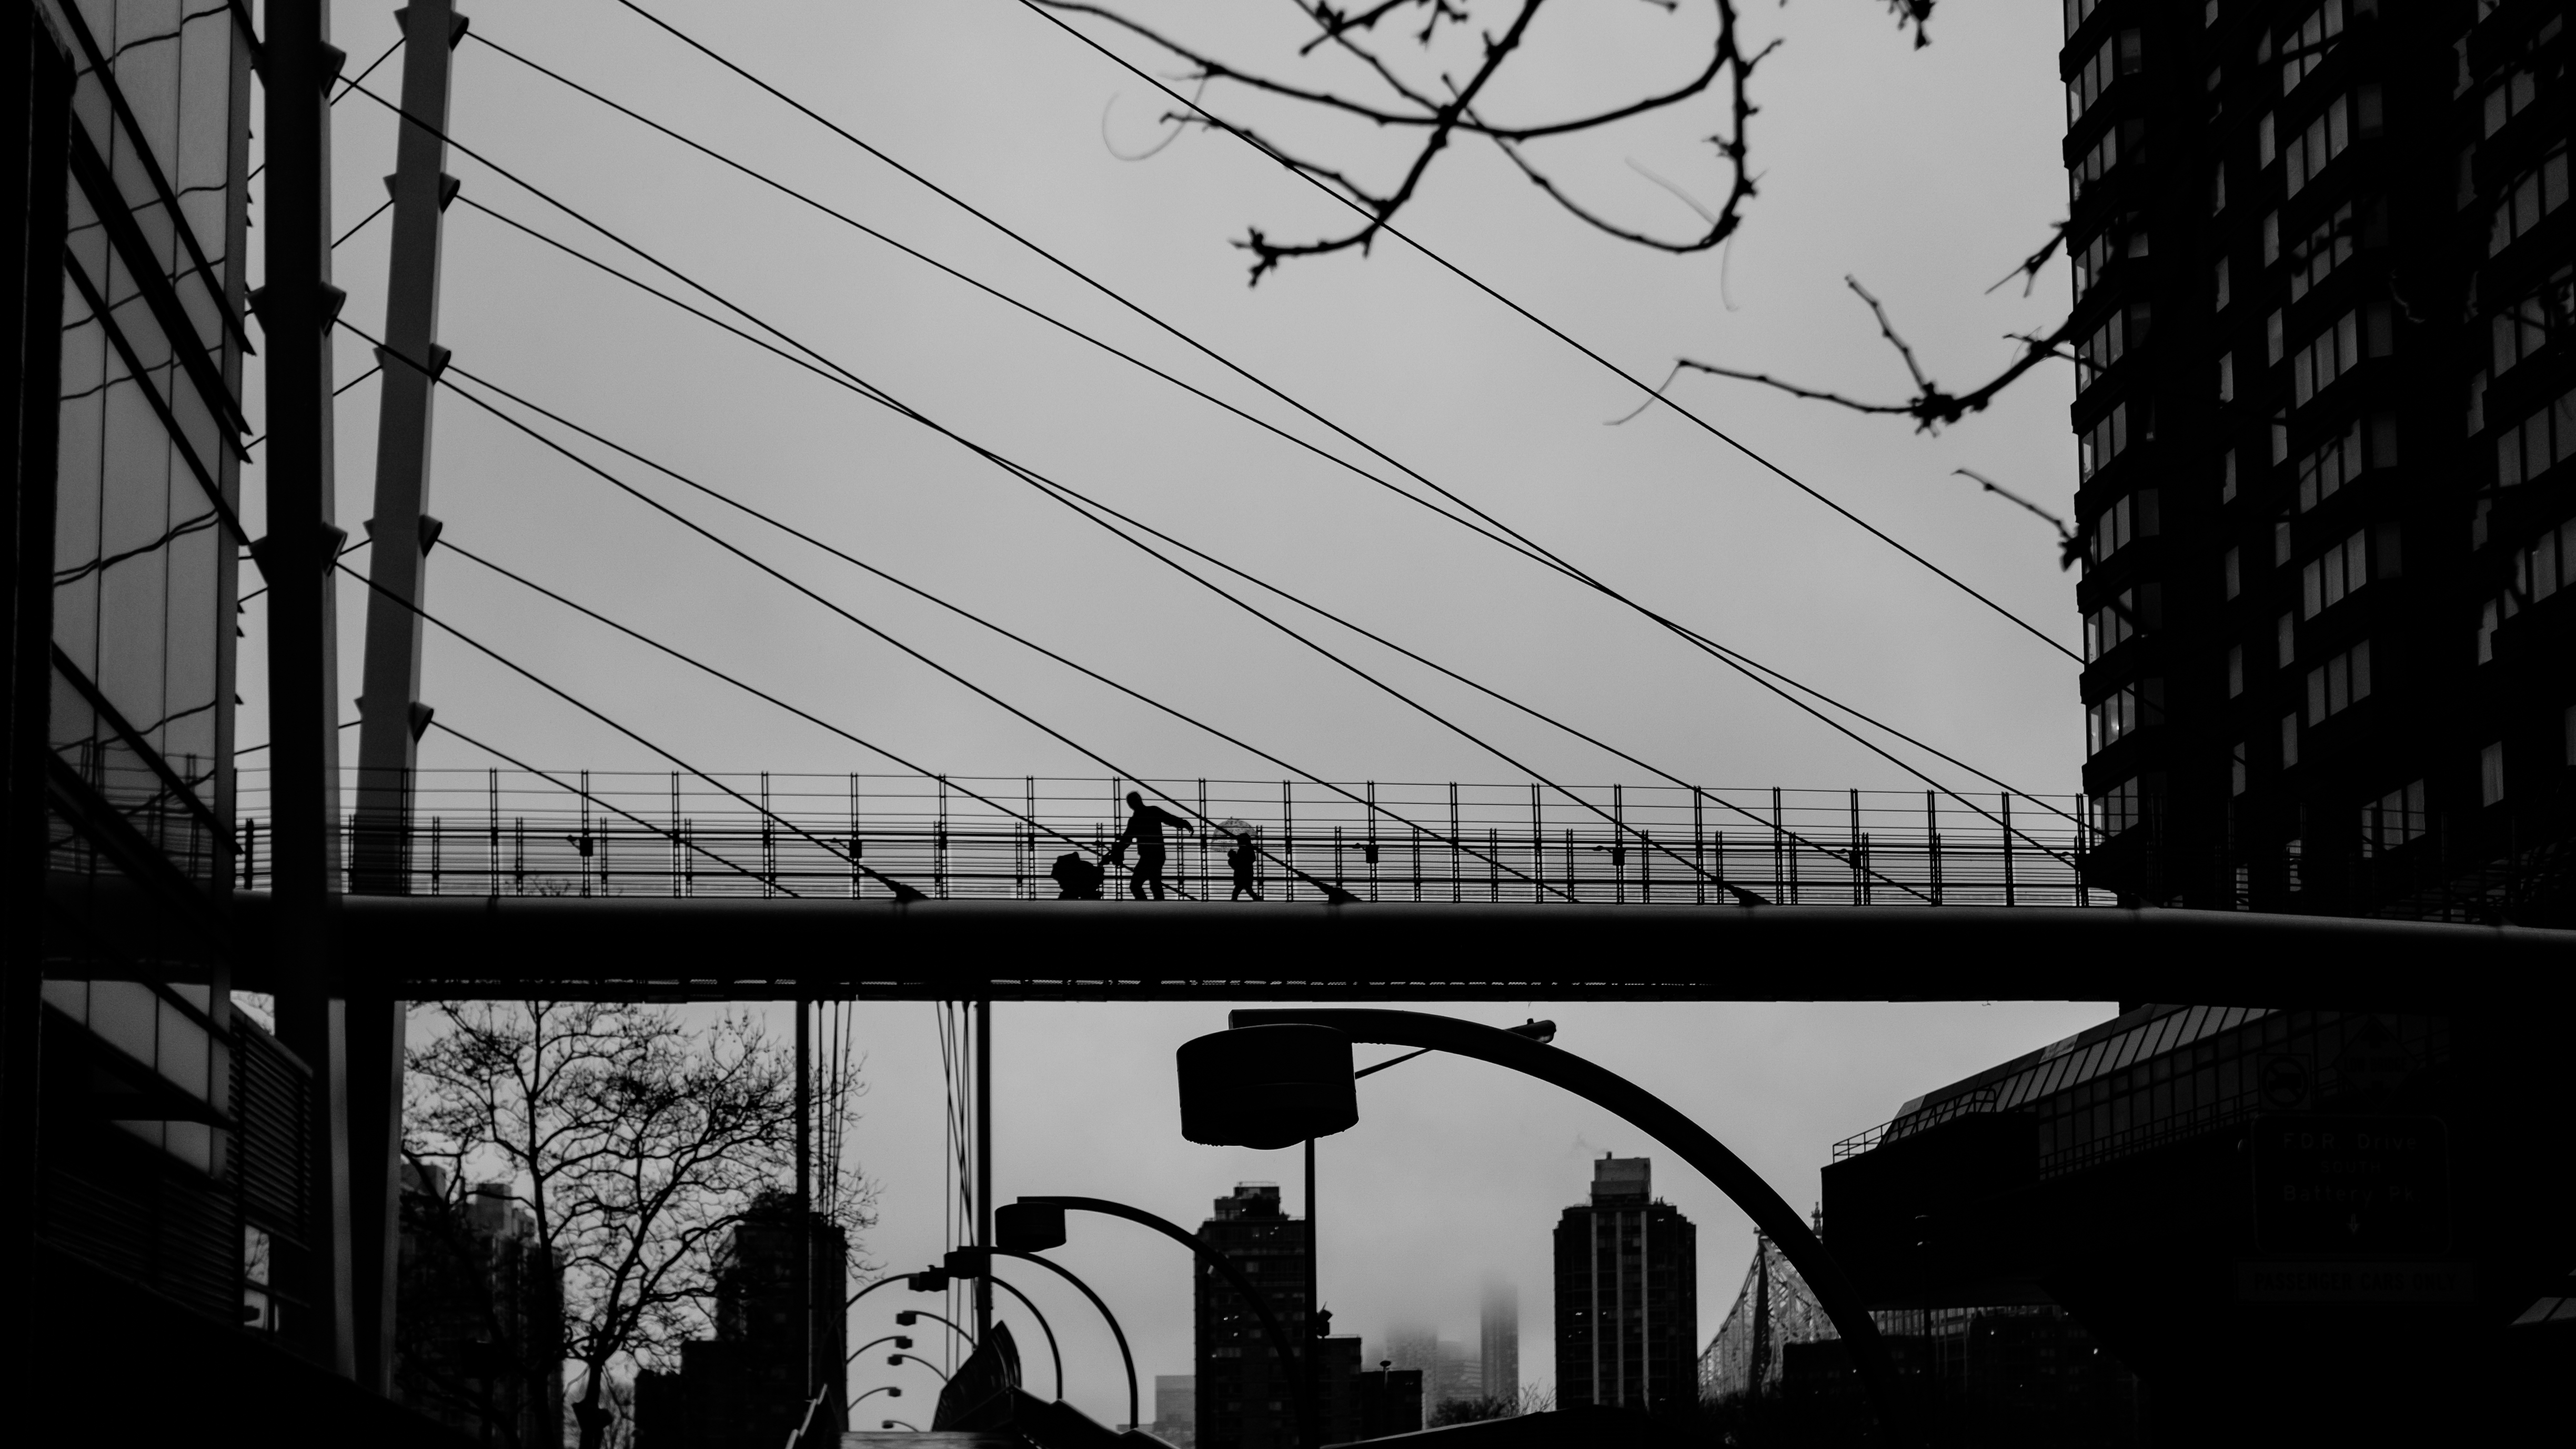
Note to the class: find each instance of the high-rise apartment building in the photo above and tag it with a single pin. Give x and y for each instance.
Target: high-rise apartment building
(1627, 1296)
(1247, 1398)
(1176, 1410)
(2324, 392)
(1498, 1338)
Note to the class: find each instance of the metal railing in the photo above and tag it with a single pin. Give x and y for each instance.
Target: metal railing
(580, 833)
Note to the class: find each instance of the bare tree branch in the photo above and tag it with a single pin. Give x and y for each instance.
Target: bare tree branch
(1932, 407)
(1449, 109)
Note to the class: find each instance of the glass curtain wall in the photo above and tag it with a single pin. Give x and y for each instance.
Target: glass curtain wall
(145, 1145)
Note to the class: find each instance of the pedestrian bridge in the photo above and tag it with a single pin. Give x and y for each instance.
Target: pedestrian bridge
(581, 833)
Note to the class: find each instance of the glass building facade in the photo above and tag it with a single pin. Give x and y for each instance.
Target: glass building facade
(171, 1129)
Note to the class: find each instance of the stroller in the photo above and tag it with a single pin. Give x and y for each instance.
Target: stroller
(1077, 878)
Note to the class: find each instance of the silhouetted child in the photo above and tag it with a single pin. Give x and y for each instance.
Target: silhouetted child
(1243, 858)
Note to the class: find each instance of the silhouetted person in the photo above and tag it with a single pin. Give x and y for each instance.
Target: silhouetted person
(1145, 827)
(1243, 857)
(1077, 878)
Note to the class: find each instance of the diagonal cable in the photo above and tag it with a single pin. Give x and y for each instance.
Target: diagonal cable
(1480, 523)
(1652, 392)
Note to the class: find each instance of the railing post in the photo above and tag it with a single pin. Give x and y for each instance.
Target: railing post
(2008, 849)
(1288, 842)
(1618, 844)
(1699, 846)
(1538, 848)
(1932, 842)
(1456, 892)
(1369, 853)
(1780, 887)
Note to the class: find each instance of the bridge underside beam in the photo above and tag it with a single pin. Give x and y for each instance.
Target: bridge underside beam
(628, 948)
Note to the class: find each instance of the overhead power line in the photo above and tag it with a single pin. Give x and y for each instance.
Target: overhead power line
(1561, 335)
(1480, 522)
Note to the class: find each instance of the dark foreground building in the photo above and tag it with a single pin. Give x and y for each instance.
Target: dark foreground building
(2325, 404)
(748, 1386)
(1627, 1296)
(2293, 1226)
(1246, 1395)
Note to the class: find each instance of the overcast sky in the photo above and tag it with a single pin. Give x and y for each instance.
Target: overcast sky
(1927, 174)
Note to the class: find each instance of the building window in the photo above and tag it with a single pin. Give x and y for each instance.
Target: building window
(2236, 768)
(2227, 476)
(2280, 543)
(2235, 670)
(2272, 340)
(2121, 54)
(2491, 774)
(2394, 819)
(2341, 460)
(2234, 574)
(2264, 149)
(2524, 328)
(2219, 281)
(2534, 194)
(2339, 571)
(2289, 740)
(2339, 683)
(2130, 516)
(2327, 137)
(2104, 441)
(2509, 98)
(2285, 643)
(2227, 377)
(2328, 247)
(2305, 47)
(2538, 443)
(2337, 349)
(2271, 237)
(2122, 713)
(2110, 626)
(2490, 618)
(2117, 809)
(2110, 342)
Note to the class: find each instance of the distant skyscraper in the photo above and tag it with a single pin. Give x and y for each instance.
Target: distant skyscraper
(1499, 1339)
(1176, 1409)
(1247, 1398)
(1627, 1295)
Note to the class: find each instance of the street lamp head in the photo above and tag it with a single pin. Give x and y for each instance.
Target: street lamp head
(906, 1319)
(1266, 1086)
(1029, 1227)
(902, 1342)
(894, 1391)
(928, 1280)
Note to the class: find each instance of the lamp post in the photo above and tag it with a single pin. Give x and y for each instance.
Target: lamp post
(1239, 1089)
(1011, 1226)
(889, 1390)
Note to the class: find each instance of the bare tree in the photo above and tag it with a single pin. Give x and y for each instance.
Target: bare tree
(1432, 97)
(633, 1139)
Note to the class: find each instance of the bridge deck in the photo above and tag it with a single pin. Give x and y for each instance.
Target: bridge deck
(564, 947)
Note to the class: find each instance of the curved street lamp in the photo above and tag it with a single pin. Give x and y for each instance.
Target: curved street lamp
(1291, 1095)
(1010, 1225)
(889, 1390)
(890, 1423)
(1053, 1353)
(1038, 1222)
(905, 1319)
